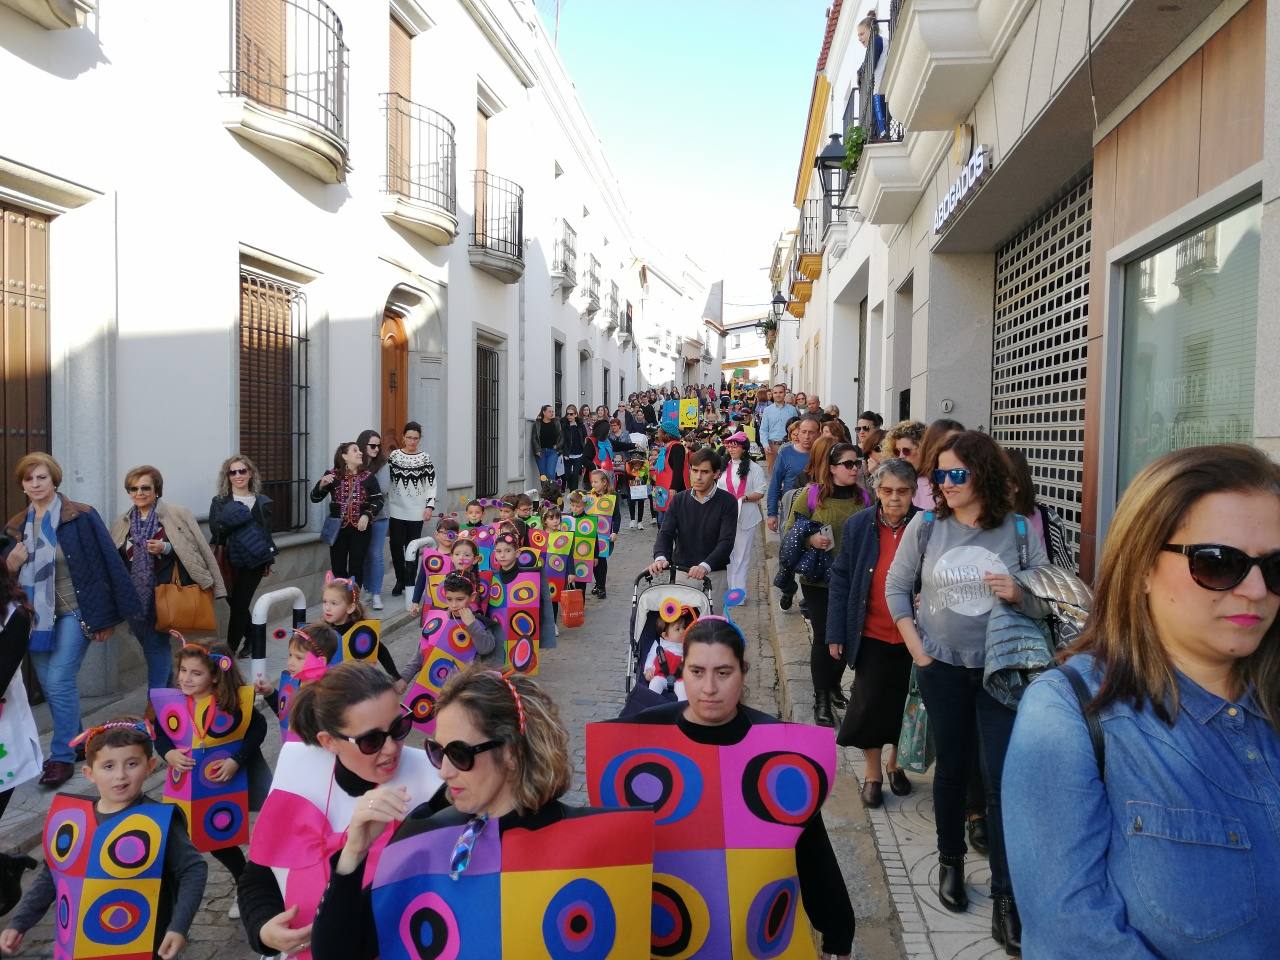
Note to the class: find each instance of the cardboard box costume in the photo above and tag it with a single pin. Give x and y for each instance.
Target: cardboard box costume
(446, 648)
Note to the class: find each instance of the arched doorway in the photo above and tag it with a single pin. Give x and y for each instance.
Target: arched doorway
(395, 378)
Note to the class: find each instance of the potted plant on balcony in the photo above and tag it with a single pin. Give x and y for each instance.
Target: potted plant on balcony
(854, 141)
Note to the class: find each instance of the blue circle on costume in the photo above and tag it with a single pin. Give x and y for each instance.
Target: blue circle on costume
(222, 820)
(117, 917)
(771, 918)
(579, 922)
(669, 782)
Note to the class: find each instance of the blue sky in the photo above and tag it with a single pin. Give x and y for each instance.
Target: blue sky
(701, 106)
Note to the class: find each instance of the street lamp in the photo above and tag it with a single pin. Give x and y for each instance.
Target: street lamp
(831, 172)
(778, 305)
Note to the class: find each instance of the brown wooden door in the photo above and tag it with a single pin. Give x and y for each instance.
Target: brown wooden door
(395, 379)
(24, 347)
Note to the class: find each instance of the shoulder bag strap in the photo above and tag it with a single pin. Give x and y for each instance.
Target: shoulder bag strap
(1083, 697)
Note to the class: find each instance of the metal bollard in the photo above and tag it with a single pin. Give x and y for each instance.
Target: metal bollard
(411, 551)
(258, 623)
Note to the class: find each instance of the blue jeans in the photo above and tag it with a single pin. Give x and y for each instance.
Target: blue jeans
(375, 561)
(547, 458)
(156, 650)
(57, 670)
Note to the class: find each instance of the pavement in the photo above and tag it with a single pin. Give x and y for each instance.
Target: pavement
(584, 674)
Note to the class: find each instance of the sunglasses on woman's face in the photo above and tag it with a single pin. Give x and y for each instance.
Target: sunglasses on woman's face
(373, 741)
(238, 471)
(847, 464)
(461, 755)
(141, 489)
(958, 476)
(1216, 566)
(374, 446)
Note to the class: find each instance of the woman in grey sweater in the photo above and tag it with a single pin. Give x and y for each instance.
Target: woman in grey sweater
(963, 556)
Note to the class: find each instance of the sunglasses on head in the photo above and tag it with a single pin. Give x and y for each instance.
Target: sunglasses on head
(958, 476)
(373, 741)
(461, 755)
(1216, 566)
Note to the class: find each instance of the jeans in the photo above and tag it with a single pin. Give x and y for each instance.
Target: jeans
(240, 591)
(403, 533)
(157, 651)
(825, 669)
(57, 670)
(346, 556)
(958, 709)
(547, 458)
(375, 561)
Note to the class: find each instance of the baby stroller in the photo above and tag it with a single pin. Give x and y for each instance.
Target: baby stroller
(647, 599)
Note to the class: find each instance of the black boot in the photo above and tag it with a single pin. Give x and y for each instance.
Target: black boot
(838, 699)
(951, 890)
(1006, 925)
(822, 709)
(977, 828)
(11, 869)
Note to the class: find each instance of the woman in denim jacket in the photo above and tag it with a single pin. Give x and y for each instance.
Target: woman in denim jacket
(1165, 842)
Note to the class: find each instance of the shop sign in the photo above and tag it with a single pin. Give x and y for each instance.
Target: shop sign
(973, 174)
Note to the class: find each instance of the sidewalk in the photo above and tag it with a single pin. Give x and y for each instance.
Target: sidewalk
(900, 834)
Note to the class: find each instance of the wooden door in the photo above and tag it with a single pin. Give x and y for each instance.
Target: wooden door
(395, 379)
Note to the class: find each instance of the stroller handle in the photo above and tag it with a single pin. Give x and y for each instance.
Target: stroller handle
(671, 571)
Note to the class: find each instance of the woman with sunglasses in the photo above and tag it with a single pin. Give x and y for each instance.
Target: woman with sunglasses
(832, 495)
(504, 757)
(964, 560)
(573, 440)
(1143, 824)
(375, 558)
(240, 533)
(352, 730)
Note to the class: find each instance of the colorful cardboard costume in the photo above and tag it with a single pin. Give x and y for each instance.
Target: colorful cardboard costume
(446, 648)
(728, 819)
(435, 567)
(106, 877)
(556, 548)
(286, 689)
(601, 507)
(304, 821)
(517, 609)
(688, 414)
(217, 814)
(669, 418)
(576, 889)
(359, 642)
(585, 530)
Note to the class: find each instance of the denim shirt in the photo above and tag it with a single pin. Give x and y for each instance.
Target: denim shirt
(1176, 855)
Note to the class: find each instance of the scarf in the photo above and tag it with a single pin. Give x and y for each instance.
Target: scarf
(730, 473)
(142, 565)
(38, 574)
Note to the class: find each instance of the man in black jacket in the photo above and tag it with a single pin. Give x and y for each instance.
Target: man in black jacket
(698, 528)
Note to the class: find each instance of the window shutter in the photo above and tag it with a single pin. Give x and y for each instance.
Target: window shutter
(399, 112)
(260, 51)
(401, 71)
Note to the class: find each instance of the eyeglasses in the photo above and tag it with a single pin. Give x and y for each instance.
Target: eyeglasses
(906, 451)
(141, 489)
(959, 476)
(1216, 566)
(461, 755)
(373, 741)
(847, 464)
(238, 471)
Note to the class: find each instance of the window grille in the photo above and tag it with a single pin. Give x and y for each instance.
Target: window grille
(559, 378)
(487, 421)
(274, 392)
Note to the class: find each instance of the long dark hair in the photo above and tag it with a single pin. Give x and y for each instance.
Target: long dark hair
(988, 474)
(375, 464)
(339, 464)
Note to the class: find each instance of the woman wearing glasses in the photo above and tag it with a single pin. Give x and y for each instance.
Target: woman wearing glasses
(504, 757)
(1158, 838)
(573, 439)
(375, 558)
(240, 531)
(352, 730)
(964, 560)
(152, 537)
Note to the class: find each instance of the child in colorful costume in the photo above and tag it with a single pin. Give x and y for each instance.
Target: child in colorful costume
(603, 504)
(340, 607)
(311, 649)
(122, 870)
(521, 606)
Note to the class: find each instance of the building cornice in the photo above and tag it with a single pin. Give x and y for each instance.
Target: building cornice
(497, 35)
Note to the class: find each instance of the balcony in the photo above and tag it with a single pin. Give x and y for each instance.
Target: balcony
(53, 14)
(944, 54)
(593, 286)
(287, 84)
(1195, 258)
(626, 334)
(419, 188)
(564, 260)
(611, 309)
(796, 309)
(801, 287)
(497, 240)
(809, 233)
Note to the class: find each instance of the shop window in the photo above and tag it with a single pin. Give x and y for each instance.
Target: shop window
(1190, 339)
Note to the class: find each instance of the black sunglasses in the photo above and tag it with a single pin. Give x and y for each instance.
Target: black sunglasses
(847, 464)
(461, 755)
(1216, 566)
(238, 471)
(374, 446)
(373, 741)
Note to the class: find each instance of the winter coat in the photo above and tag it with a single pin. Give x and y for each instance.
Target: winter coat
(248, 542)
(222, 523)
(189, 544)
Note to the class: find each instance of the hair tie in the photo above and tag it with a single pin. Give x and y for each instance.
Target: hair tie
(219, 660)
(515, 694)
(307, 642)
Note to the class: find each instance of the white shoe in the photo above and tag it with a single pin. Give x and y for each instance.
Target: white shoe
(234, 912)
(377, 601)
(631, 525)
(640, 525)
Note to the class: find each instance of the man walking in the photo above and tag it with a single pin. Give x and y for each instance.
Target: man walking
(773, 424)
(700, 524)
(791, 462)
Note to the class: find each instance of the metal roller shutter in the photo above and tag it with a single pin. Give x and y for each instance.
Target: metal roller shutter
(1038, 360)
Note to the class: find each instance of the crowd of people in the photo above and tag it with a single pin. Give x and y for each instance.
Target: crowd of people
(1100, 793)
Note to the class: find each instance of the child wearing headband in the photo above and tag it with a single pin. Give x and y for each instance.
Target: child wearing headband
(118, 760)
(666, 655)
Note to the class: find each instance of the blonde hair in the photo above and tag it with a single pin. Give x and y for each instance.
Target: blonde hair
(1121, 634)
(224, 480)
(538, 756)
(908, 429)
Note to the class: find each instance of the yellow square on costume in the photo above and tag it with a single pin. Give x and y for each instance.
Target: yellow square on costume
(117, 919)
(603, 912)
(765, 912)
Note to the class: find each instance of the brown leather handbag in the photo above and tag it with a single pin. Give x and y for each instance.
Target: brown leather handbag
(184, 607)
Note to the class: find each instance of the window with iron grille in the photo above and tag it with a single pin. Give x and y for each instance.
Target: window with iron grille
(273, 392)
(558, 378)
(487, 414)
(606, 386)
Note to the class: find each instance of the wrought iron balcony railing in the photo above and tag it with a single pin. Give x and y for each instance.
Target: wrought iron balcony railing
(611, 308)
(1196, 255)
(289, 55)
(810, 227)
(593, 282)
(564, 260)
(499, 225)
(873, 110)
(421, 154)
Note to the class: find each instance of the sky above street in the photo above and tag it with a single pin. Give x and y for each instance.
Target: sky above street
(700, 106)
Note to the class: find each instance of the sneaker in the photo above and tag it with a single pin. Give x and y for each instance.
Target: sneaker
(377, 601)
(234, 912)
(631, 525)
